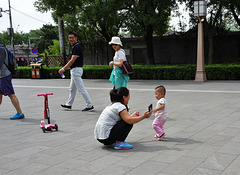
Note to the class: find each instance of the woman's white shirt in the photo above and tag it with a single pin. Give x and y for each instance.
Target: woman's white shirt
(119, 55)
(108, 118)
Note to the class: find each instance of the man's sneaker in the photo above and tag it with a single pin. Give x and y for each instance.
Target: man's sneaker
(122, 145)
(161, 137)
(66, 107)
(17, 116)
(88, 109)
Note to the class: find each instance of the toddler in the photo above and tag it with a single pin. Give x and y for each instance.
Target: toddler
(161, 113)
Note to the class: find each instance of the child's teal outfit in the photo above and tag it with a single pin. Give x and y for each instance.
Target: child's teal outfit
(117, 77)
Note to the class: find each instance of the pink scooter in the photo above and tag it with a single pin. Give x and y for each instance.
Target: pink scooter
(47, 127)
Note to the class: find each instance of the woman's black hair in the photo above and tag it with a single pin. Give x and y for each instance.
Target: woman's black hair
(116, 95)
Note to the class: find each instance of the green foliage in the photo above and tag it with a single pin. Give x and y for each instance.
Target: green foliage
(54, 49)
(223, 72)
(96, 71)
(149, 14)
(42, 37)
(148, 17)
(147, 72)
(61, 7)
(23, 72)
(19, 38)
(220, 14)
(104, 17)
(164, 72)
(5, 38)
(46, 34)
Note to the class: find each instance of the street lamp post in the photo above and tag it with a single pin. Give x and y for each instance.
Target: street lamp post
(10, 30)
(200, 11)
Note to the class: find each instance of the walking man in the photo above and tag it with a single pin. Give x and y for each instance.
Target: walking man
(75, 63)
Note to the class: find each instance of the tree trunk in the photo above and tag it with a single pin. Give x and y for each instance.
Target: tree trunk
(210, 48)
(210, 42)
(234, 14)
(62, 39)
(149, 45)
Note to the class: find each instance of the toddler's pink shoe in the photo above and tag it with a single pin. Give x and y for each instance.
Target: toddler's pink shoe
(161, 137)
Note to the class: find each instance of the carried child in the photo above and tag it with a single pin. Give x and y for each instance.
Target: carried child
(161, 112)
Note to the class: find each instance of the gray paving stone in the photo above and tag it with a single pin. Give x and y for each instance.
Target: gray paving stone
(203, 151)
(203, 171)
(148, 167)
(233, 168)
(100, 164)
(31, 168)
(170, 156)
(203, 131)
(115, 169)
(218, 161)
(230, 148)
(183, 166)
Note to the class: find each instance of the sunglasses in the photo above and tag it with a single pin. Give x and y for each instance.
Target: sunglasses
(114, 44)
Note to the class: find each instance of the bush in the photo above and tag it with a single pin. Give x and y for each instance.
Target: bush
(23, 72)
(147, 72)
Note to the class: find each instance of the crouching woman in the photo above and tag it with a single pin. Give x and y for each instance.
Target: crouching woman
(115, 123)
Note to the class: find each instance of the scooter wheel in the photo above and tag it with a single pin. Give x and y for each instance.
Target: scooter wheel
(56, 127)
(43, 129)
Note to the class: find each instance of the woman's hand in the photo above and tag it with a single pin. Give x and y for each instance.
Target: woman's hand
(110, 63)
(147, 114)
(135, 114)
(118, 63)
(135, 117)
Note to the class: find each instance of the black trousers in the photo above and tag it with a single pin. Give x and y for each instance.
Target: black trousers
(119, 132)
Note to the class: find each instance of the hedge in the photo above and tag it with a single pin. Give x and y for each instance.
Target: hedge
(147, 72)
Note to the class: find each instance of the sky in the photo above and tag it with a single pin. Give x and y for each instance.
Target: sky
(25, 17)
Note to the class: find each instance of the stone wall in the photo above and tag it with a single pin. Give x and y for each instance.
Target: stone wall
(174, 49)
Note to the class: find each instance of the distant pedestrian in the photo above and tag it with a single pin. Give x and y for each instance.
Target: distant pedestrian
(161, 112)
(76, 63)
(6, 87)
(117, 77)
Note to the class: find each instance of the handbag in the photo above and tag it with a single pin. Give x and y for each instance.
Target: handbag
(127, 68)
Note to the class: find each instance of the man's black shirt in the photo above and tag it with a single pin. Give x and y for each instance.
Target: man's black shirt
(76, 50)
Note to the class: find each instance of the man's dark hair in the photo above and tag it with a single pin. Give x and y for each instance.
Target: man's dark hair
(72, 33)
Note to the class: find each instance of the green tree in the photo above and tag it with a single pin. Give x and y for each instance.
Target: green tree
(54, 49)
(147, 17)
(5, 38)
(234, 7)
(60, 8)
(19, 38)
(141, 17)
(44, 37)
(88, 37)
(105, 17)
(216, 22)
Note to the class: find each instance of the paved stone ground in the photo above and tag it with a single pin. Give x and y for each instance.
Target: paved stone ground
(203, 131)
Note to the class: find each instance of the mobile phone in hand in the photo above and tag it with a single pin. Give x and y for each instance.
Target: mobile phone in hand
(150, 107)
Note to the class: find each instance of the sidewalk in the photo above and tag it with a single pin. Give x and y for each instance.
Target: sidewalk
(202, 133)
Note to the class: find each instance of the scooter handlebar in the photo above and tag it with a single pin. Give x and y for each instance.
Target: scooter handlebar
(44, 94)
